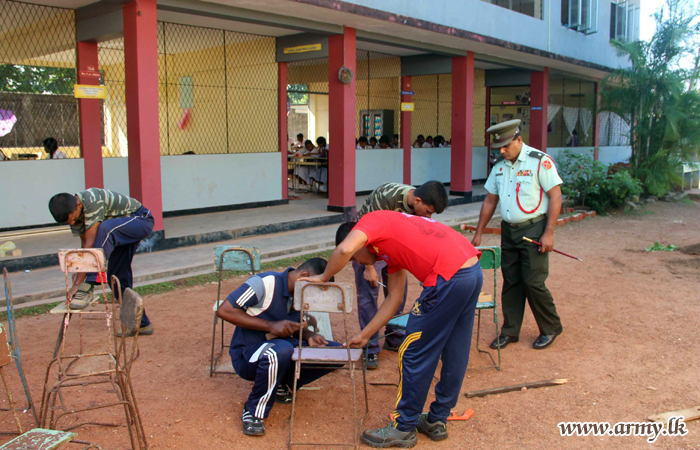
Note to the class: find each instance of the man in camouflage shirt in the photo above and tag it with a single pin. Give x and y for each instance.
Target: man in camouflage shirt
(108, 220)
(431, 198)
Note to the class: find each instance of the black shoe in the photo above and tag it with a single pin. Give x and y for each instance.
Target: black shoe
(391, 348)
(372, 362)
(544, 341)
(504, 340)
(252, 426)
(283, 394)
(437, 431)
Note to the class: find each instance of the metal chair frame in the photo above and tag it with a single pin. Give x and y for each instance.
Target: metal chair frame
(116, 374)
(214, 360)
(490, 305)
(349, 364)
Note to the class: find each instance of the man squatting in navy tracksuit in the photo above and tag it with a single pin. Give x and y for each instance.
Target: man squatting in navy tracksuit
(261, 305)
(441, 321)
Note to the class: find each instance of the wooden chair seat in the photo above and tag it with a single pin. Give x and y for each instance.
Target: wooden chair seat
(327, 354)
(485, 301)
(39, 438)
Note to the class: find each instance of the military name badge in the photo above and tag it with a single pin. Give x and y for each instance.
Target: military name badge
(524, 173)
(547, 163)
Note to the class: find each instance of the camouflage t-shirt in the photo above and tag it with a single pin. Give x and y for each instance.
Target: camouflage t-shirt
(388, 197)
(100, 205)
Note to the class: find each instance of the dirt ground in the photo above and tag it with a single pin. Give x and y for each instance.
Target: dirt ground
(629, 349)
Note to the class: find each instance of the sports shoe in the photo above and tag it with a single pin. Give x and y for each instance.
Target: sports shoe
(83, 297)
(144, 331)
(389, 437)
(252, 426)
(436, 431)
(372, 362)
(283, 394)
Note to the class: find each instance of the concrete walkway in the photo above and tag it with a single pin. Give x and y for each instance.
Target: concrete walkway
(48, 285)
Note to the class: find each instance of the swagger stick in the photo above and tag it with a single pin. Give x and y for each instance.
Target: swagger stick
(554, 250)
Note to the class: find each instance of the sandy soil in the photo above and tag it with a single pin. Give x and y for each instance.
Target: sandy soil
(629, 348)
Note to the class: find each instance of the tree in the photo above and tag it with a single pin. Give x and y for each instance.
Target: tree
(657, 96)
(36, 79)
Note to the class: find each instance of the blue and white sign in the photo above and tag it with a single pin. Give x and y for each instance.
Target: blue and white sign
(408, 93)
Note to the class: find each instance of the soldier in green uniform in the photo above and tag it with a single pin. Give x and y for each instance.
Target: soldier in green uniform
(527, 184)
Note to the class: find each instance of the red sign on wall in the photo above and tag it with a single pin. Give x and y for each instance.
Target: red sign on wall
(91, 74)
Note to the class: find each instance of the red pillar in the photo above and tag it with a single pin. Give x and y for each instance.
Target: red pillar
(141, 70)
(282, 103)
(89, 116)
(341, 125)
(462, 125)
(406, 85)
(596, 122)
(539, 98)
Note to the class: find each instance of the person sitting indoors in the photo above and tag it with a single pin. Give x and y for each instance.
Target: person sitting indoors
(262, 309)
(384, 143)
(51, 147)
(321, 173)
(373, 143)
(438, 141)
(298, 144)
(362, 143)
(429, 141)
(395, 141)
(420, 142)
(302, 172)
(322, 146)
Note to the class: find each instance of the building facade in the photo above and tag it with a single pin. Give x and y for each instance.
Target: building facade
(232, 81)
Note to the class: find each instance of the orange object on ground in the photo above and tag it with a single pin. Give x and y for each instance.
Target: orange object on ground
(466, 416)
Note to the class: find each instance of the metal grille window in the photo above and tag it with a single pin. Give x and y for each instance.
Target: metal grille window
(37, 73)
(433, 106)
(378, 95)
(111, 64)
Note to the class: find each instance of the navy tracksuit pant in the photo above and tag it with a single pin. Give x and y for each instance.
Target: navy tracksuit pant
(269, 364)
(367, 304)
(440, 326)
(119, 238)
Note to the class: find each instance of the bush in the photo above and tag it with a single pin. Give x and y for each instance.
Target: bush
(587, 182)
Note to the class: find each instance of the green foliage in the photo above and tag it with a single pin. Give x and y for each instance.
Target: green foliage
(657, 96)
(656, 247)
(587, 182)
(36, 80)
(297, 94)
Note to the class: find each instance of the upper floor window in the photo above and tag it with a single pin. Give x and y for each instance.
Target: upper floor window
(580, 15)
(532, 8)
(624, 21)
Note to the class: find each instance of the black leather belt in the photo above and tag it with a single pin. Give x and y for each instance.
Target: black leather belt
(539, 218)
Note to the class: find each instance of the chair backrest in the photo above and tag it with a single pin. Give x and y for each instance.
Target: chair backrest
(82, 260)
(490, 257)
(324, 297)
(131, 310)
(237, 257)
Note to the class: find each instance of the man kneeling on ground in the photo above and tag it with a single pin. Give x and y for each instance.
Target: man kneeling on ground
(263, 306)
(440, 324)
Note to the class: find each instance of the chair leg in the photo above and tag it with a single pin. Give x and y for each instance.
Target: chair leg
(354, 404)
(297, 369)
(213, 344)
(498, 343)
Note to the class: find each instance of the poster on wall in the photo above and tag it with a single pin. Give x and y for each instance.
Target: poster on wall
(507, 117)
(494, 120)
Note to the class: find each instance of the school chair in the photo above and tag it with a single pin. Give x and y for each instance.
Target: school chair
(102, 366)
(237, 258)
(39, 438)
(490, 260)
(331, 298)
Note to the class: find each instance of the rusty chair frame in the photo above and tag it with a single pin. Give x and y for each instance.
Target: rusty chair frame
(220, 263)
(113, 374)
(13, 345)
(350, 360)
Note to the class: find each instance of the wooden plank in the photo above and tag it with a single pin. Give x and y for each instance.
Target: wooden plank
(327, 354)
(81, 260)
(688, 415)
(517, 387)
(5, 355)
(324, 297)
(39, 438)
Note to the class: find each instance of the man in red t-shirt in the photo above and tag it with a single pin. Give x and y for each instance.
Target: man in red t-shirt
(441, 321)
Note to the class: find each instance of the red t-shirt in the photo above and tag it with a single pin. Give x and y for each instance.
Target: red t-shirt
(422, 246)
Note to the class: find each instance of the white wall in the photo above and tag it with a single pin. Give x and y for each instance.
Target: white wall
(200, 181)
(116, 174)
(606, 155)
(27, 186)
(375, 167)
(434, 164)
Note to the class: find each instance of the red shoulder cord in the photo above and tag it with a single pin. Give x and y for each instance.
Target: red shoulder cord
(517, 192)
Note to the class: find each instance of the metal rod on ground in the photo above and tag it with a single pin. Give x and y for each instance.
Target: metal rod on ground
(517, 387)
(554, 250)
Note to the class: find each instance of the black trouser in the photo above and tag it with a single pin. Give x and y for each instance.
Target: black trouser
(525, 270)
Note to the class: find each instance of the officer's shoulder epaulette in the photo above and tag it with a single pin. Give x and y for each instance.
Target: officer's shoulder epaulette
(536, 154)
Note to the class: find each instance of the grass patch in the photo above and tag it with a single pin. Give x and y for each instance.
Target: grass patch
(169, 286)
(686, 202)
(639, 212)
